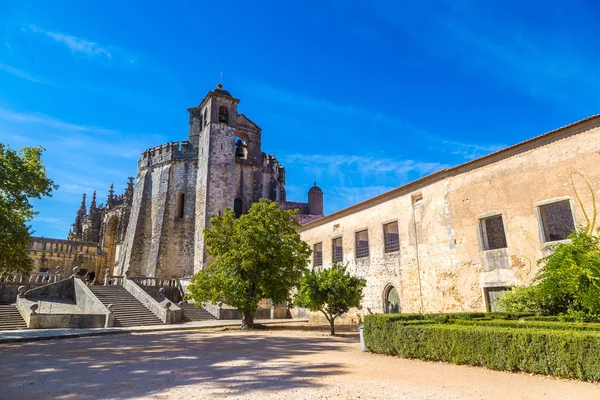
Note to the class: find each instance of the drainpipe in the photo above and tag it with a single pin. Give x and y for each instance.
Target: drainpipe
(417, 255)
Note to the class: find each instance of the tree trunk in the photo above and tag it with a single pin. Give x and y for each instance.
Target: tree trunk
(331, 322)
(247, 320)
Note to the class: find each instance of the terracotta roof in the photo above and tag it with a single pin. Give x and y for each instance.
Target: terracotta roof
(521, 147)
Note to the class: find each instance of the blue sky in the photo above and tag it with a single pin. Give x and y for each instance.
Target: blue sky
(360, 96)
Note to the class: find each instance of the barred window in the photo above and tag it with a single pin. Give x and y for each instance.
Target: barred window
(492, 232)
(318, 255)
(362, 244)
(337, 250)
(557, 220)
(391, 237)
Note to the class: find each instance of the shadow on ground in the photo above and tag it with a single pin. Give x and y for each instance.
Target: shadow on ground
(126, 366)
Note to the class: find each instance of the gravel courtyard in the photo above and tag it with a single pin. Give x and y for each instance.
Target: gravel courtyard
(292, 362)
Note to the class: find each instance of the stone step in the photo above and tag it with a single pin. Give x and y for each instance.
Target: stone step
(192, 313)
(128, 311)
(10, 318)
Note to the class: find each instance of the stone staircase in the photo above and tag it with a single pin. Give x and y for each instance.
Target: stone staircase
(128, 311)
(191, 313)
(10, 318)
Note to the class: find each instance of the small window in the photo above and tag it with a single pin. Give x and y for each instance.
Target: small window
(391, 237)
(417, 199)
(205, 117)
(557, 220)
(223, 114)
(492, 232)
(318, 255)
(362, 244)
(337, 250)
(180, 204)
(492, 295)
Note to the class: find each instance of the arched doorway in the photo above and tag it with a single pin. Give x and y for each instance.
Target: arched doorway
(391, 300)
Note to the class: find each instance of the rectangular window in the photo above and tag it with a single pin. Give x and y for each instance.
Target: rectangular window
(557, 220)
(391, 237)
(337, 250)
(362, 244)
(318, 255)
(492, 232)
(492, 295)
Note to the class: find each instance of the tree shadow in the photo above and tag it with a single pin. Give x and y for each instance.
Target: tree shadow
(126, 366)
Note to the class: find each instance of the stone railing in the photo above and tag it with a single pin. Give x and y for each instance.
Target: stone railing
(164, 309)
(113, 280)
(33, 277)
(68, 303)
(172, 287)
(155, 282)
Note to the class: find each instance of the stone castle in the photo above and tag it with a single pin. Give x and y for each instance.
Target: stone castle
(451, 241)
(155, 228)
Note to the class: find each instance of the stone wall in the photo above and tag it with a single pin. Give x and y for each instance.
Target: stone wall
(441, 265)
(58, 255)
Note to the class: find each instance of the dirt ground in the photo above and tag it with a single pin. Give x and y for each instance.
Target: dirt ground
(284, 362)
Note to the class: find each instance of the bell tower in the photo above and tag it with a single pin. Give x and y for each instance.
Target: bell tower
(213, 126)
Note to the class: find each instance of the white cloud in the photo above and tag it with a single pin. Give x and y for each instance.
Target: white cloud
(347, 168)
(19, 73)
(84, 47)
(45, 120)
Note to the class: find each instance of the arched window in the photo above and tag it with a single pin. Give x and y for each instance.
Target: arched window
(392, 300)
(240, 148)
(223, 114)
(238, 207)
(180, 204)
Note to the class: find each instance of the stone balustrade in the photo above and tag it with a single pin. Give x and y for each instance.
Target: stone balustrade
(33, 277)
(113, 280)
(155, 282)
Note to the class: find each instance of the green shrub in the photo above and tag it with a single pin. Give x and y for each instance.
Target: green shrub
(568, 282)
(532, 324)
(564, 353)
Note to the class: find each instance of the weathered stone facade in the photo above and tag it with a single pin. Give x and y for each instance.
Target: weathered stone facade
(469, 232)
(60, 256)
(155, 228)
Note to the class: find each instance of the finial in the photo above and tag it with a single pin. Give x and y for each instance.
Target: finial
(315, 183)
(93, 205)
(111, 195)
(82, 207)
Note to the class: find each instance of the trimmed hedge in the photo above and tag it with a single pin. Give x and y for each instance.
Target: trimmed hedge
(564, 353)
(570, 326)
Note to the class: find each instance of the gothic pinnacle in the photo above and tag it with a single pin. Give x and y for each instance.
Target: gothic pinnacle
(93, 204)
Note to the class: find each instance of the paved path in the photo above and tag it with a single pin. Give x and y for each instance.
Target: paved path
(279, 363)
(27, 335)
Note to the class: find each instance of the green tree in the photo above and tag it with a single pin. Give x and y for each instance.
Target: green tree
(258, 256)
(332, 291)
(22, 177)
(568, 281)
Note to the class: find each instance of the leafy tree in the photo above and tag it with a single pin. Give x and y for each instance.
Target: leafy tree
(22, 177)
(258, 256)
(332, 291)
(568, 282)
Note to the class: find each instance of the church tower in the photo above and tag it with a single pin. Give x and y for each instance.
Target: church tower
(213, 130)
